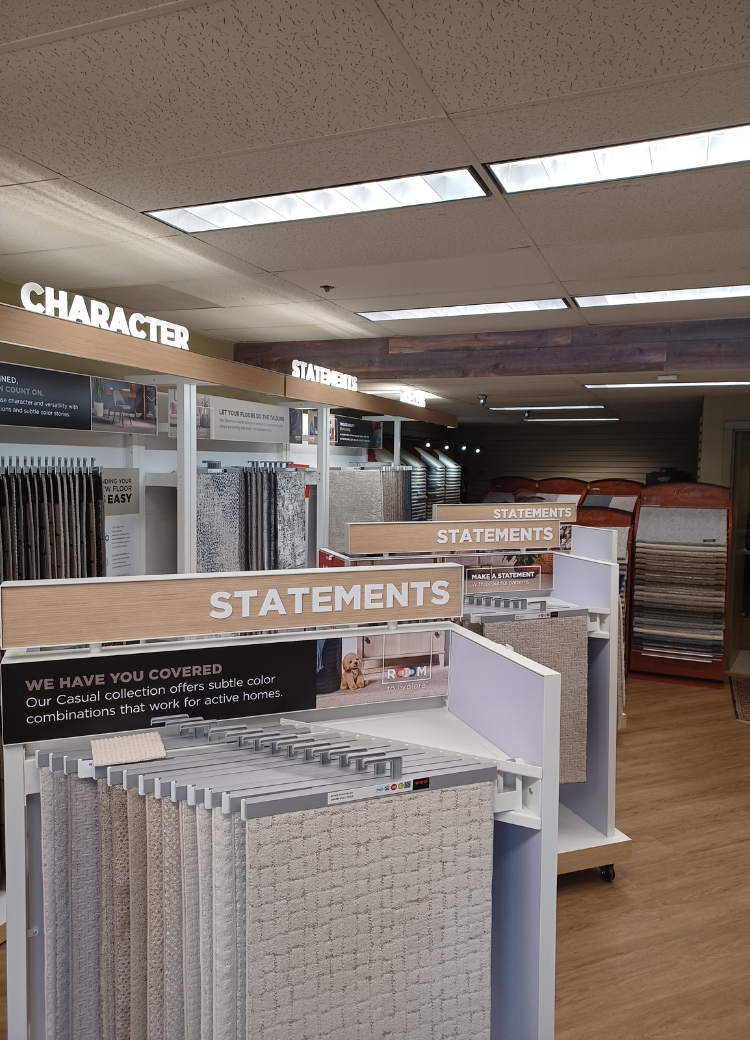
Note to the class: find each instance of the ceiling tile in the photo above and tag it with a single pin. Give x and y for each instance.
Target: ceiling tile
(703, 200)
(251, 317)
(694, 310)
(486, 271)
(480, 53)
(229, 289)
(713, 257)
(196, 81)
(15, 169)
(282, 333)
(384, 152)
(34, 17)
(415, 233)
(509, 293)
(147, 298)
(633, 113)
(25, 226)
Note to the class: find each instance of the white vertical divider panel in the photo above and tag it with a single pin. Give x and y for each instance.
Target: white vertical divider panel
(324, 462)
(187, 483)
(515, 704)
(15, 874)
(595, 584)
(596, 543)
(135, 458)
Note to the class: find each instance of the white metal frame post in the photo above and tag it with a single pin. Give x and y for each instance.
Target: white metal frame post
(135, 458)
(324, 462)
(396, 442)
(187, 481)
(15, 872)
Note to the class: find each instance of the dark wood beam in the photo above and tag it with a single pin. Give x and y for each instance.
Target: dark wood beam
(674, 346)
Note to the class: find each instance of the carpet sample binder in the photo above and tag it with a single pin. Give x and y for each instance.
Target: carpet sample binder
(285, 881)
(679, 585)
(561, 644)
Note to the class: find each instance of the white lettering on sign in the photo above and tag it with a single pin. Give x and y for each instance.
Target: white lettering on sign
(328, 598)
(98, 316)
(485, 535)
(416, 397)
(326, 376)
(534, 513)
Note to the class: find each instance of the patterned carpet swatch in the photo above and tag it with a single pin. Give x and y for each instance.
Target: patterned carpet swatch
(561, 644)
(358, 922)
(220, 520)
(290, 518)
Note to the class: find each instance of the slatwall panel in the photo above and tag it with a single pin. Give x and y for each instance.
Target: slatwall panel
(627, 450)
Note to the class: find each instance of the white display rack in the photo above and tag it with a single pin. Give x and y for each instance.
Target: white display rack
(501, 710)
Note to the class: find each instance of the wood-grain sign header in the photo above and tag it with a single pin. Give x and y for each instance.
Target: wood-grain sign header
(103, 610)
(445, 536)
(565, 512)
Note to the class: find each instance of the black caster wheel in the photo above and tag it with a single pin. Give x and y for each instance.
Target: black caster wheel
(608, 872)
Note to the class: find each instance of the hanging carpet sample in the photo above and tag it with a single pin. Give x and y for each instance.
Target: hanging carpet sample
(435, 472)
(418, 485)
(220, 521)
(355, 496)
(560, 644)
(314, 922)
(452, 477)
(290, 518)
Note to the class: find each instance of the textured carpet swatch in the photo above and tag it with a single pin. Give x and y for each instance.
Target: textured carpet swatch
(290, 518)
(204, 831)
(174, 1004)
(155, 920)
(220, 521)
(138, 873)
(130, 747)
(121, 879)
(106, 912)
(682, 526)
(561, 644)
(191, 921)
(84, 910)
(355, 496)
(348, 942)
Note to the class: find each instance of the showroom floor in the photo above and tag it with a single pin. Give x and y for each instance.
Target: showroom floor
(662, 953)
(632, 956)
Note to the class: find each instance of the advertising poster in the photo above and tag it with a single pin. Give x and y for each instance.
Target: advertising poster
(74, 697)
(119, 407)
(225, 419)
(122, 530)
(44, 398)
(347, 432)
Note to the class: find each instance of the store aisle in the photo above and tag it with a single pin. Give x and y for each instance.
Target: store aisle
(662, 953)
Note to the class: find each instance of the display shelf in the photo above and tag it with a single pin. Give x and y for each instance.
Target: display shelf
(581, 846)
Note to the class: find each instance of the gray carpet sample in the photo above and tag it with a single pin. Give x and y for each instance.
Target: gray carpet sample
(174, 1007)
(121, 878)
(84, 909)
(355, 496)
(225, 946)
(561, 644)
(346, 941)
(190, 921)
(204, 831)
(55, 877)
(106, 912)
(221, 521)
(682, 526)
(138, 868)
(155, 920)
(290, 518)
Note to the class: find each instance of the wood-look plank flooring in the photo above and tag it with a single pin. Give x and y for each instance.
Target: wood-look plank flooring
(663, 952)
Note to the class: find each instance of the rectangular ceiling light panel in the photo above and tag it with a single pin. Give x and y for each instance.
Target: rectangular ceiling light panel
(666, 155)
(397, 193)
(717, 292)
(661, 385)
(470, 309)
(543, 407)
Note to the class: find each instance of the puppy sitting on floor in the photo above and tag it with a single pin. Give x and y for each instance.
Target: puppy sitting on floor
(352, 677)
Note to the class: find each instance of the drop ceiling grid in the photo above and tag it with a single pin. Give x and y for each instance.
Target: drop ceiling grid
(339, 103)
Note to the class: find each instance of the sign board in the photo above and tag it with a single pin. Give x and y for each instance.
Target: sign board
(453, 536)
(227, 419)
(102, 610)
(565, 512)
(349, 432)
(58, 305)
(326, 376)
(122, 532)
(43, 398)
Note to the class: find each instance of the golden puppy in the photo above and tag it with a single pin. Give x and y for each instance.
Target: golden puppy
(353, 677)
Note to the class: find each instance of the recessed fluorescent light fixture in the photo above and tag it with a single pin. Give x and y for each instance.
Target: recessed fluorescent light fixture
(469, 309)
(546, 407)
(643, 159)
(571, 419)
(717, 292)
(394, 193)
(663, 386)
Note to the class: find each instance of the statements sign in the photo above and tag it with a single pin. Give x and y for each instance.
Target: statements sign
(565, 512)
(447, 536)
(102, 610)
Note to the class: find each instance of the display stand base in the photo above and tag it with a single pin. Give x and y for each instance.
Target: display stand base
(581, 846)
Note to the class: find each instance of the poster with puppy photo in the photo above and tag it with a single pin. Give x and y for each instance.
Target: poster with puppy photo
(365, 669)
